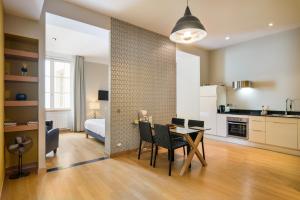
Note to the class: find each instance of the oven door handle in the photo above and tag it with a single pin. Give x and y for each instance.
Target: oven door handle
(237, 123)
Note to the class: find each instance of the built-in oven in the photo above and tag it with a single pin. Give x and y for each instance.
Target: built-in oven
(237, 127)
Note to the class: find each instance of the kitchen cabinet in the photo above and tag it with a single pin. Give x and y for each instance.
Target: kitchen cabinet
(257, 129)
(282, 132)
(299, 134)
(222, 125)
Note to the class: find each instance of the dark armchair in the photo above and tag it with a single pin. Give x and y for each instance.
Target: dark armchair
(52, 137)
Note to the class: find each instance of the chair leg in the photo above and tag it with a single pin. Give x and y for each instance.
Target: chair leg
(183, 151)
(170, 166)
(203, 149)
(156, 150)
(172, 155)
(151, 154)
(139, 156)
(54, 151)
(169, 155)
(188, 151)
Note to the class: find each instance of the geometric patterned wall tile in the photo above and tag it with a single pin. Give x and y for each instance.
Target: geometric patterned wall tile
(143, 76)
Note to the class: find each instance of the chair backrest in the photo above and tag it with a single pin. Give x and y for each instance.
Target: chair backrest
(49, 125)
(192, 123)
(145, 131)
(162, 136)
(178, 121)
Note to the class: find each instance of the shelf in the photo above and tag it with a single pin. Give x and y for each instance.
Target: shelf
(20, 103)
(32, 79)
(20, 128)
(28, 55)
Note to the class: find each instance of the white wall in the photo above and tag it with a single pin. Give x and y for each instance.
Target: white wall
(271, 62)
(187, 85)
(96, 78)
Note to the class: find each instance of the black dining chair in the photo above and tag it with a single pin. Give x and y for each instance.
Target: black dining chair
(178, 122)
(196, 123)
(163, 139)
(147, 136)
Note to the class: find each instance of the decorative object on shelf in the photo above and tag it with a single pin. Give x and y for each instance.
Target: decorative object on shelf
(241, 84)
(24, 69)
(188, 29)
(20, 146)
(94, 106)
(21, 97)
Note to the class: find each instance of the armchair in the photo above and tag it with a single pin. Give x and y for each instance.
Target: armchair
(52, 137)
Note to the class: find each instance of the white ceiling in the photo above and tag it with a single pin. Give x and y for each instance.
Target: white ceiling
(76, 38)
(242, 20)
(24, 8)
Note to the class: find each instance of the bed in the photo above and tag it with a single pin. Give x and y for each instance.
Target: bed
(95, 128)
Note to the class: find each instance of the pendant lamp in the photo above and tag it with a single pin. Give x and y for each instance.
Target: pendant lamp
(188, 29)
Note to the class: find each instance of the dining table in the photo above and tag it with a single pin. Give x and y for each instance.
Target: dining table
(185, 133)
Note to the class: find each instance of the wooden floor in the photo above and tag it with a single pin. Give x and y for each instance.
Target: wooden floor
(73, 148)
(233, 172)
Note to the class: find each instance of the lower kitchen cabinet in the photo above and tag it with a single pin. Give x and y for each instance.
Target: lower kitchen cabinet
(257, 129)
(257, 136)
(222, 125)
(282, 132)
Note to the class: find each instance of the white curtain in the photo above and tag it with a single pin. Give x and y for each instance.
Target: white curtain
(79, 95)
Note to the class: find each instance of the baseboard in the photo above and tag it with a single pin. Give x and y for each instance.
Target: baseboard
(117, 154)
(31, 167)
(293, 152)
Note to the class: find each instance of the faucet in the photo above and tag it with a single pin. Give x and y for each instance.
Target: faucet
(286, 105)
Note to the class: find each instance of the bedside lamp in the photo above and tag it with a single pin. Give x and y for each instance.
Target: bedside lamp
(94, 106)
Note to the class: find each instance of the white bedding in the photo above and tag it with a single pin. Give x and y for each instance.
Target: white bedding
(95, 125)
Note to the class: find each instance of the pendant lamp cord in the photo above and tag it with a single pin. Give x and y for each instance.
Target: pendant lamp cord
(187, 2)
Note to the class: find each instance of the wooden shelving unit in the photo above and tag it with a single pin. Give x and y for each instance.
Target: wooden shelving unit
(20, 128)
(21, 54)
(16, 78)
(20, 103)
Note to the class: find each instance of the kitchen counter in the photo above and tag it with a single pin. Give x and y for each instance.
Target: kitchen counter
(257, 113)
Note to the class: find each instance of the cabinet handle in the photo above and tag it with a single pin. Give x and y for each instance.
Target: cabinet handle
(282, 123)
(258, 130)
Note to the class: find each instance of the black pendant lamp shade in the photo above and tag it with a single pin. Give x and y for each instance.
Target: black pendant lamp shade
(188, 29)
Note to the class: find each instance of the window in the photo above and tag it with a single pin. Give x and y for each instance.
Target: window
(57, 84)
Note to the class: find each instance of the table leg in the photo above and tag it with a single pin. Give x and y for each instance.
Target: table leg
(194, 150)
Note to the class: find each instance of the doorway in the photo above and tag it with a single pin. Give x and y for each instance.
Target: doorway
(76, 74)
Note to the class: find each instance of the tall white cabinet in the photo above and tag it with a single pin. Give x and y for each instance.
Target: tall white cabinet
(210, 98)
(187, 85)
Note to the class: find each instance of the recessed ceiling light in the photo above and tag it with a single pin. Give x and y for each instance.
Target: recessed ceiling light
(54, 38)
(227, 38)
(270, 24)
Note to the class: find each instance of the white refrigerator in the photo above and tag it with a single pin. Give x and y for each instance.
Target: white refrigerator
(211, 97)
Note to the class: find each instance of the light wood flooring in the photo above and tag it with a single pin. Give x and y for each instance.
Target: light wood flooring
(233, 172)
(73, 148)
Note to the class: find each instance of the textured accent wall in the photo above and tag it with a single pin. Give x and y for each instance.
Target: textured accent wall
(143, 76)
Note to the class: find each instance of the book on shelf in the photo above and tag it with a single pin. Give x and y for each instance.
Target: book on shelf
(10, 123)
(32, 122)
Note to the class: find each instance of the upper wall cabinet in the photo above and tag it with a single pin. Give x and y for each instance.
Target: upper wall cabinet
(282, 132)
